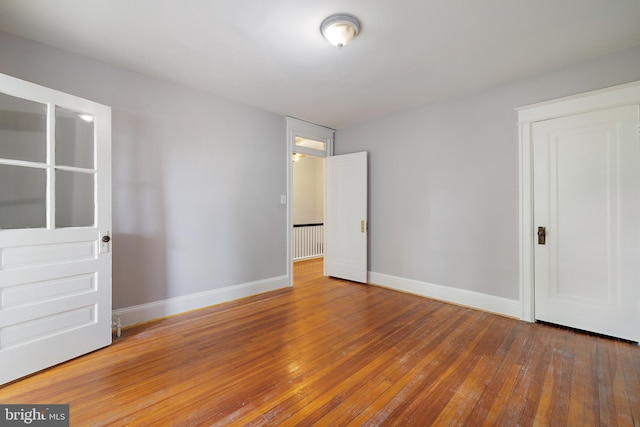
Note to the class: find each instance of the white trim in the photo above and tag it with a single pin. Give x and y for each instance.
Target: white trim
(615, 96)
(526, 223)
(44, 95)
(309, 130)
(627, 94)
(168, 307)
(297, 127)
(476, 300)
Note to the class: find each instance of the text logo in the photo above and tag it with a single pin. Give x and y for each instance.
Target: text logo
(34, 415)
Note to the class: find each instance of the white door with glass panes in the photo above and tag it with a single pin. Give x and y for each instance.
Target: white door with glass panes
(55, 227)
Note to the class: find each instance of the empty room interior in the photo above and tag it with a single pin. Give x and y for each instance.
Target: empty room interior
(320, 213)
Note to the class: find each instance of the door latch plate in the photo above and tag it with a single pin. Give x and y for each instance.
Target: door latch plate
(542, 235)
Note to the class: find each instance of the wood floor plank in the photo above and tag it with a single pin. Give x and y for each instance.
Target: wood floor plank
(581, 404)
(333, 353)
(631, 375)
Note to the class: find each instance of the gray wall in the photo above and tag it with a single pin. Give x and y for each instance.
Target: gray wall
(196, 179)
(443, 188)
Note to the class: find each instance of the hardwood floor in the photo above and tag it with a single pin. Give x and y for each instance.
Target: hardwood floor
(332, 353)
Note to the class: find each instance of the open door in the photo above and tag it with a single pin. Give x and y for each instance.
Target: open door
(55, 222)
(346, 219)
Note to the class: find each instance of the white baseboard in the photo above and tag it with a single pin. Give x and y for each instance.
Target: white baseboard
(158, 309)
(499, 305)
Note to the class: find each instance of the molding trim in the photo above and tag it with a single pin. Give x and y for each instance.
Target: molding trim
(477, 300)
(609, 97)
(168, 307)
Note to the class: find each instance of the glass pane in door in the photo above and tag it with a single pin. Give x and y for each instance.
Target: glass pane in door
(310, 143)
(74, 139)
(23, 197)
(23, 129)
(74, 199)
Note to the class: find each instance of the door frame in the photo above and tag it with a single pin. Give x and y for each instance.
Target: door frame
(626, 94)
(300, 128)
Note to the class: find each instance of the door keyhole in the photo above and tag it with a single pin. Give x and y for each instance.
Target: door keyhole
(542, 235)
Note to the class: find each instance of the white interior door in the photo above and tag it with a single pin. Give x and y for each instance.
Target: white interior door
(587, 196)
(346, 219)
(55, 222)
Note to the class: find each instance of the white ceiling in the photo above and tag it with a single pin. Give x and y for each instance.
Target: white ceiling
(270, 54)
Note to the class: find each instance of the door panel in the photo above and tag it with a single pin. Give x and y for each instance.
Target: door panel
(24, 207)
(587, 196)
(55, 275)
(346, 221)
(23, 124)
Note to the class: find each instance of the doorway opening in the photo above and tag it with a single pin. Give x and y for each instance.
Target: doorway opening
(308, 207)
(308, 145)
(308, 217)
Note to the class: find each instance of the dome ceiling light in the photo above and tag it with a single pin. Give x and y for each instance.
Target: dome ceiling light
(339, 30)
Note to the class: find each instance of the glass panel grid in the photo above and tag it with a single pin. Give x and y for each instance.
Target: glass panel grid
(47, 174)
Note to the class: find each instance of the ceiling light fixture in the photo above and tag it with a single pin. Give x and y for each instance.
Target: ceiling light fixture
(339, 30)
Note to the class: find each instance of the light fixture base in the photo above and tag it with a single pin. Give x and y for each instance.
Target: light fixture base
(340, 29)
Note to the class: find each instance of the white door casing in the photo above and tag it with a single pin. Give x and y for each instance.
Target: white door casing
(299, 128)
(346, 219)
(586, 170)
(55, 277)
(623, 95)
